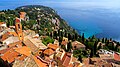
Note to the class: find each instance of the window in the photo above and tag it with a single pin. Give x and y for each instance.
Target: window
(75, 47)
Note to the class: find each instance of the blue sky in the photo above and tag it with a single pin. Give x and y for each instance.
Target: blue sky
(65, 3)
(60, 0)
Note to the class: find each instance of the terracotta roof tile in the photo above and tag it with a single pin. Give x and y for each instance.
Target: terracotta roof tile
(21, 57)
(117, 56)
(77, 45)
(18, 44)
(86, 61)
(108, 65)
(2, 23)
(4, 50)
(74, 59)
(53, 46)
(48, 52)
(29, 44)
(12, 33)
(70, 65)
(23, 50)
(4, 36)
(39, 62)
(64, 56)
(10, 55)
(66, 61)
(17, 20)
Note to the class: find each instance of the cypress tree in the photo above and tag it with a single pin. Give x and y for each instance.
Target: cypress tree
(95, 47)
(83, 38)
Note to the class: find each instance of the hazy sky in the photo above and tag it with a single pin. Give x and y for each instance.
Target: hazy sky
(60, 0)
(65, 3)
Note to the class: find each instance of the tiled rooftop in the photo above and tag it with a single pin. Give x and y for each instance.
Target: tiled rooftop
(53, 46)
(48, 52)
(1, 23)
(17, 20)
(11, 39)
(23, 50)
(10, 55)
(66, 61)
(117, 56)
(4, 50)
(39, 62)
(29, 44)
(15, 44)
(4, 36)
(77, 45)
(37, 42)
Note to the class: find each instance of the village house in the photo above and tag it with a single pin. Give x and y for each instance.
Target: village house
(53, 47)
(65, 39)
(65, 59)
(49, 54)
(15, 44)
(77, 45)
(117, 56)
(2, 26)
(11, 31)
(95, 62)
(24, 48)
(34, 44)
(30, 61)
(10, 40)
(64, 43)
(109, 57)
(10, 54)
(56, 42)
(4, 36)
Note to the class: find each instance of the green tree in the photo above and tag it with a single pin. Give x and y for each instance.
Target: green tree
(103, 40)
(95, 47)
(55, 34)
(47, 40)
(83, 38)
(78, 54)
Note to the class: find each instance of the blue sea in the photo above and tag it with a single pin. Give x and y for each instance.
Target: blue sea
(98, 21)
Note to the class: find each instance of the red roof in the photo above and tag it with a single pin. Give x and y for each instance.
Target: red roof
(77, 45)
(4, 50)
(21, 57)
(2, 23)
(10, 56)
(117, 56)
(4, 36)
(17, 20)
(66, 61)
(23, 50)
(64, 56)
(18, 44)
(39, 62)
(48, 52)
(53, 46)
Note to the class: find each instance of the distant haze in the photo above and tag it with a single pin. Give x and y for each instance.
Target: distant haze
(92, 17)
(5, 4)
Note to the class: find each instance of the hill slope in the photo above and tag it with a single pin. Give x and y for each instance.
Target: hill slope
(46, 17)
